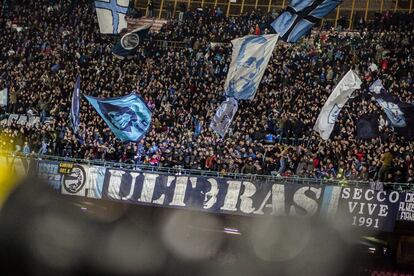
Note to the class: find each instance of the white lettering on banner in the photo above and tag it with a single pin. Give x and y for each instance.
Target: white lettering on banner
(394, 196)
(232, 196)
(148, 187)
(246, 203)
(383, 212)
(366, 194)
(115, 180)
(134, 176)
(346, 192)
(406, 207)
(181, 188)
(277, 193)
(263, 205)
(210, 197)
(379, 198)
(307, 203)
(357, 194)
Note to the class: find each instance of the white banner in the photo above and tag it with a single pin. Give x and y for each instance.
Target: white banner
(82, 180)
(338, 98)
(111, 15)
(249, 60)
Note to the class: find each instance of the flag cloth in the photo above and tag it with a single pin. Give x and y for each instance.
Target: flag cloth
(400, 114)
(224, 116)
(3, 96)
(391, 105)
(368, 126)
(111, 15)
(249, 60)
(300, 16)
(338, 98)
(377, 87)
(75, 107)
(128, 117)
(130, 41)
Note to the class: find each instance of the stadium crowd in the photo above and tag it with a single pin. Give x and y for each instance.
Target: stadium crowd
(183, 86)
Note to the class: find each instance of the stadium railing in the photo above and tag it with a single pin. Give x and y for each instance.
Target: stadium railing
(238, 176)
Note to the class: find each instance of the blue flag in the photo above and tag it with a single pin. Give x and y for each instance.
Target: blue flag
(128, 117)
(249, 60)
(75, 107)
(130, 41)
(300, 16)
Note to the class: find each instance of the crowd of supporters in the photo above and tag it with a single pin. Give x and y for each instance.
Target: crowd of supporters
(272, 134)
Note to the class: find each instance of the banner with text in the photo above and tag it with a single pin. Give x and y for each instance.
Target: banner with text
(369, 209)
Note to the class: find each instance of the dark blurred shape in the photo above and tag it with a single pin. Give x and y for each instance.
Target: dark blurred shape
(368, 126)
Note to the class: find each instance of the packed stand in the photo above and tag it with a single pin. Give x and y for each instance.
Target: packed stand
(271, 134)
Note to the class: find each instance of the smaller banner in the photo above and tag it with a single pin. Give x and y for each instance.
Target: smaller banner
(249, 60)
(406, 207)
(82, 180)
(336, 101)
(224, 116)
(368, 209)
(128, 117)
(111, 15)
(130, 41)
(3, 97)
(75, 107)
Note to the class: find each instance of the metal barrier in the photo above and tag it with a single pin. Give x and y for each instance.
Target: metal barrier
(238, 176)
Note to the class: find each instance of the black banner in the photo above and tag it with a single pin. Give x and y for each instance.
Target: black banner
(369, 209)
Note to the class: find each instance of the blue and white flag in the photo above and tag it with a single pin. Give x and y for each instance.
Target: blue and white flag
(249, 60)
(111, 15)
(75, 107)
(393, 107)
(336, 101)
(3, 96)
(130, 41)
(224, 116)
(128, 117)
(300, 16)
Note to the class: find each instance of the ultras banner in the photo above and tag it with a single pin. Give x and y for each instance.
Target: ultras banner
(361, 208)
(220, 195)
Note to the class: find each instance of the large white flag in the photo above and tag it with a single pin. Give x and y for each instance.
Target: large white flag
(249, 60)
(111, 15)
(338, 98)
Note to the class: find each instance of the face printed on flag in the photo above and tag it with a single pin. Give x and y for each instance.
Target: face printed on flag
(128, 117)
(251, 54)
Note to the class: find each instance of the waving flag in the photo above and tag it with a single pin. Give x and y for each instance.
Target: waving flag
(300, 16)
(128, 117)
(130, 41)
(338, 98)
(251, 54)
(111, 15)
(75, 107)
(224, 116)
(397, 111)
